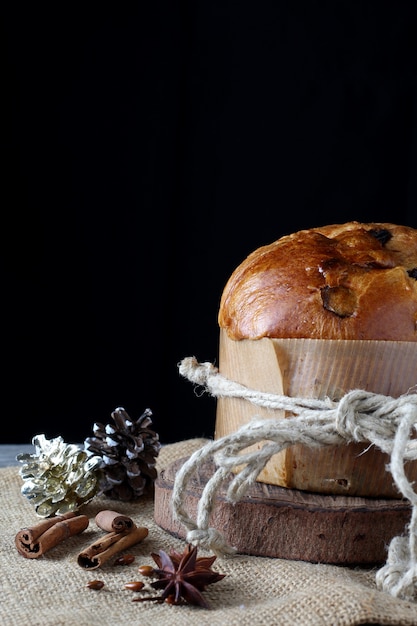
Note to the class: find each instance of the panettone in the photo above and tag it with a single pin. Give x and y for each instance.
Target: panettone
(316, 314)
(342, 281)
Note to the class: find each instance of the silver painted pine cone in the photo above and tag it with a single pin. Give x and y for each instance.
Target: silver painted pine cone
(58, 477)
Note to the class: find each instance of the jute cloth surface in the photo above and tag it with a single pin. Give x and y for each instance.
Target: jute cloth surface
(51, 590)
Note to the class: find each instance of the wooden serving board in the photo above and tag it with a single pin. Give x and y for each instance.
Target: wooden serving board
(290, 524)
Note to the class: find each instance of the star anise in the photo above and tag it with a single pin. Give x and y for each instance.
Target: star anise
(183, 577)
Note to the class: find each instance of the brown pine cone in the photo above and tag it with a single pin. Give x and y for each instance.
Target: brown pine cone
(128, 449)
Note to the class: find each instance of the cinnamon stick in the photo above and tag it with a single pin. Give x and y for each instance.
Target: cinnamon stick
(103, 549)
(34, 541)
(113, 521)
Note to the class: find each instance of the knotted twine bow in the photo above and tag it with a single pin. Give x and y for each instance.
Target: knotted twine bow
(359, 416)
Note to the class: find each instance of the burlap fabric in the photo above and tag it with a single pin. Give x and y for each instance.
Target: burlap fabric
(51, 590)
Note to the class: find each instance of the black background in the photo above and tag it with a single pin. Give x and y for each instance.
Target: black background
(149, 147)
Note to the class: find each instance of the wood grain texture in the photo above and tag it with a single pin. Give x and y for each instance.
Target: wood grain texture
(317, 369)
(290, 524)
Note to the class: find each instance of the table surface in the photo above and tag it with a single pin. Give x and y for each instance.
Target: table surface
(8, 452)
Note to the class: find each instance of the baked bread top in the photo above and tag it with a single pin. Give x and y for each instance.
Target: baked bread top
(341, 281)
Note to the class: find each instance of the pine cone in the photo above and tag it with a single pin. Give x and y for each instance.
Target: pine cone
(129, 450)
(58, 477)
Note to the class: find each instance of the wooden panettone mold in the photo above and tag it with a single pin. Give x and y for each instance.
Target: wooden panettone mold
(314, 368)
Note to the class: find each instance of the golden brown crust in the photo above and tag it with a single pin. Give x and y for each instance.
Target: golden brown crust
(340, 281)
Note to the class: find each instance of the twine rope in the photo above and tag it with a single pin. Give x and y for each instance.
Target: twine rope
(359, 416)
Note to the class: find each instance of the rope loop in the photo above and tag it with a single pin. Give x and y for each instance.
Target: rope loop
(210, 538)
(347, 421)
(388, 423)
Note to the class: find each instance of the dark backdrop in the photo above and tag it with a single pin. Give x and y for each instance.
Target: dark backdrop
(149, 147)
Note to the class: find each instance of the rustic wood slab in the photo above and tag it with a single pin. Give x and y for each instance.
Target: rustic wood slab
(290, 524)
